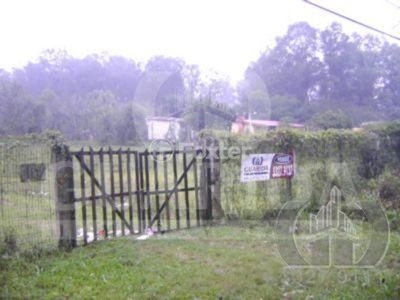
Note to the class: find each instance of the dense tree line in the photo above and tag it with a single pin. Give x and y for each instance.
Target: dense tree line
(100, 97)
(325, 77)
(310, 72)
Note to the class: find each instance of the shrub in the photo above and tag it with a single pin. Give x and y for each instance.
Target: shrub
(389, 190)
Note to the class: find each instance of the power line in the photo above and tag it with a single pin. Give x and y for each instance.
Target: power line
(353, 20)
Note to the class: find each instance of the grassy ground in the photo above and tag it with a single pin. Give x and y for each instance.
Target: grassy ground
(221, 262)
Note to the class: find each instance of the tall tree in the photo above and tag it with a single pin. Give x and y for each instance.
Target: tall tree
(122, 76)
(216, 88)
(329, 69)
(164, 85)
(350, 66)
(16, 110)
(293, 67)
(254, 96)
(191, 77)
(388, 96)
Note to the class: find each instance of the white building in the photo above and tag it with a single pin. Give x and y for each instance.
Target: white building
(249, 126)
(163, 128)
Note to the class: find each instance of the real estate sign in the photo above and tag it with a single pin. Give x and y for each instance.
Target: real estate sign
(260, 167)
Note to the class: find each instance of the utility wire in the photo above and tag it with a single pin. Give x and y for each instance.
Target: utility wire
(353, 20)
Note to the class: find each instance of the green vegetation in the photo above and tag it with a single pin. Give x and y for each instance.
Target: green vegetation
(363, 164)
(27, 208)
(332, 119)
(215, 262)
(360, 163)
(232, 261)
(322, 78)
(325, 78)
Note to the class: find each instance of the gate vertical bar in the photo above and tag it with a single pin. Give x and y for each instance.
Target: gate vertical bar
(168, 214)
(121, 189)
(216, 184)
(186, 184)
(83, 197)
(103, 196)
(204, 187)
(65, 198)
(129, 178)
(147, 186)
(196, 187)
(209, 210)
(139, 189)
(142, 192)
(176, 191)
(112, 182)
(93, 194)
(156, 188)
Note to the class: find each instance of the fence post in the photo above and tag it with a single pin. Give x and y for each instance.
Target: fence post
(64, 188)
(210, 182)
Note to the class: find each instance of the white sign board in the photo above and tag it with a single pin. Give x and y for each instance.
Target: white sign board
(260, 167)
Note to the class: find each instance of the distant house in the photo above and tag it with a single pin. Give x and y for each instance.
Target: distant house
(163, 128)
(243, 126)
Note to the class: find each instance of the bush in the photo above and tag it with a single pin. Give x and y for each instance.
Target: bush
(389, 190)
(9, 246)
(332, 119)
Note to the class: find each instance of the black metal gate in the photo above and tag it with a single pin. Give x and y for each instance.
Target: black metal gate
(120, 192)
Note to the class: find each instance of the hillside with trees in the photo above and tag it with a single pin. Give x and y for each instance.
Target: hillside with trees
(324, 78)
(310, 72)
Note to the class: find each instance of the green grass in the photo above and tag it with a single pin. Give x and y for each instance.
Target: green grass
(217, 262)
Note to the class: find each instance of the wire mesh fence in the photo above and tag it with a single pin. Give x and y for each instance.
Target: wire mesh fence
(27, 206)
